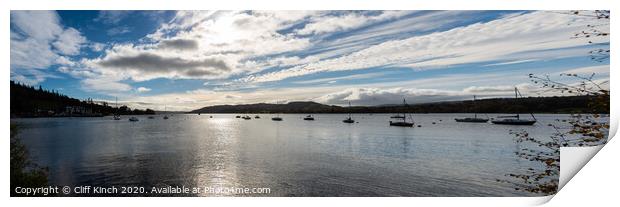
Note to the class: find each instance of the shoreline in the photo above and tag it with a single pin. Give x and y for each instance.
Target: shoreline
(357, 113)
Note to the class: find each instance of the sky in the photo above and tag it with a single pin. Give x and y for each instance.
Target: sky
(185, 60)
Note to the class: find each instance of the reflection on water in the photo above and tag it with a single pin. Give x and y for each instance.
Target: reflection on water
(293, 158)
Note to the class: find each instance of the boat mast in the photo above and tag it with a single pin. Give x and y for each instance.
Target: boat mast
(404, 114)
(516, 99)
(116, 97)
(532, 114)
(349, 109)
(475, 111)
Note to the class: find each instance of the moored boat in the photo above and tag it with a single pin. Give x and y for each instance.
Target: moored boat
(349, 120)
(404, 122)
(309, 118)
(474, 119)
(165, 111)
(516, 119)
(116, 115)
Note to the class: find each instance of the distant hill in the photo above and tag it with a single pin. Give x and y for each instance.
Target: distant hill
(28, 101)
(564, 104)
(291, 107)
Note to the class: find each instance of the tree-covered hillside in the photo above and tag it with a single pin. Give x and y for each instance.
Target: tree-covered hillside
(28, 101)
(564, 104)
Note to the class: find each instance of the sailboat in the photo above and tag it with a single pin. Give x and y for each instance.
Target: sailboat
(404, 122)
(516, 119)
(276, 118)
(116, 115)
(309, 118)
(165, 110)
(349, 120)
(475, 119)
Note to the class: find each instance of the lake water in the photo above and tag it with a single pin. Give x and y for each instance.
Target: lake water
(292, 158)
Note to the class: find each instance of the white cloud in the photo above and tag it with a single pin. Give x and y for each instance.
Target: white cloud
(512, 62)
(377, 96)
(104, 85)
(501, 89)
(232, 96)
(118, 30)
(143, 89)
(30, 76)
(586, 71)
(336, 79)
(69, 42)
(218, 45)
(96, 47)
(38, 41)
(513, 38)
(39, 25)
(204, 45)
(333, 23)
(31, 53)
(27, 80)
(65, 61)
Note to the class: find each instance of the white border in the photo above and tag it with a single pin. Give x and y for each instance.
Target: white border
(576, 192)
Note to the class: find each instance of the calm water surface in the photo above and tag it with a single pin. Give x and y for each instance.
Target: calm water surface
(293, 158)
